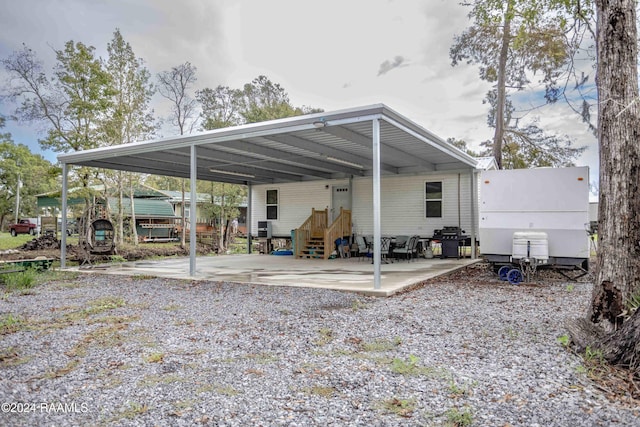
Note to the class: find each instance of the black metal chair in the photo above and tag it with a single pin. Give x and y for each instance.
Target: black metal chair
(406, 251)
(363, 248)
(385, 245)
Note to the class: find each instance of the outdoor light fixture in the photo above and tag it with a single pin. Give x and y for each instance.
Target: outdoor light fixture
(345, 162)
(319, 124)
(246, 175)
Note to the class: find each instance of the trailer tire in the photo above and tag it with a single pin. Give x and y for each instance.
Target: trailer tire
(503, 272)
(514, 276)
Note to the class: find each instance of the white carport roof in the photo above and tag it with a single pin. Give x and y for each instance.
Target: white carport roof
(316, 146)
(370, 141)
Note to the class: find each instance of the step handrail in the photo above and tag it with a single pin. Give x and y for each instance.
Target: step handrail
(340, 228)
(313, 226)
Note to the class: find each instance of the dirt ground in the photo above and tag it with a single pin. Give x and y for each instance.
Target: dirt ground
(48, 247)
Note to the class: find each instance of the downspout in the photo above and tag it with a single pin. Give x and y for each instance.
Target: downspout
(459, 205)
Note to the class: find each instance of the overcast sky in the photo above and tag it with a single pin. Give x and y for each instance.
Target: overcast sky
(331, 54)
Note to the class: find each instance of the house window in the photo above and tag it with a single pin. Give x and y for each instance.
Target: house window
(272, 204)
(433, 199)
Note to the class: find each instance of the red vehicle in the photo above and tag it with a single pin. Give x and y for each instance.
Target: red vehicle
(23, 226)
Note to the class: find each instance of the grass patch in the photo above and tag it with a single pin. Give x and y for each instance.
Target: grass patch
(10, 324)
(322, 391)
(156, 379)
(7, 241)
(456, 390)
(262, 358)
(20, 280)
(411, 367)
(57, 373)
(105, 303)
(155, 358)
(400, 407)
(225, 390)
(459, 417)
(357, 305)
(133, 410)
(11, 357)
(117, 259)
(379, 345)
(325, 336)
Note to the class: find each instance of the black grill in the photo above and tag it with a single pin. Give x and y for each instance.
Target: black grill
(451, 238)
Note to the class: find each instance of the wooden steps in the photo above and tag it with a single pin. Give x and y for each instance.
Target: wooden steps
(314, 248)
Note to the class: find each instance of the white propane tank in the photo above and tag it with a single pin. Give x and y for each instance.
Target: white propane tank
(530, 245)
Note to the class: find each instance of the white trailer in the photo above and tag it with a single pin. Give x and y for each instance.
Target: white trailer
(521, 202)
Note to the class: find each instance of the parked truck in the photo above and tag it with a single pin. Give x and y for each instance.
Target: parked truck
(534, 217)
(23, 226)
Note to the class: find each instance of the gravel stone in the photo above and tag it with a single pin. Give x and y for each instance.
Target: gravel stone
(130, 351)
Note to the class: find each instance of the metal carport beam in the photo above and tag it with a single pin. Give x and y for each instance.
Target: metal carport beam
(386, 151)
(311, 166)
(326, 152)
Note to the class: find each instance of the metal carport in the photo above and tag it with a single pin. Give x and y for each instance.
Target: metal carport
(370, 141)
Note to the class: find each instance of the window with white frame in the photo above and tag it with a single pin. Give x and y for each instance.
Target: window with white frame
(433, 199)
(272, 204)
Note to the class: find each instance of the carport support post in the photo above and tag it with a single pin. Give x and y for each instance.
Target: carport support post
(63, 242)
(474, 195)
(376, 204)
(192, 213)
(248, 218)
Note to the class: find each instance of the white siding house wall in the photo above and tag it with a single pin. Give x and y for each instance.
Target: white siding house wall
(295, 201)
(402, 209)
(403, 204)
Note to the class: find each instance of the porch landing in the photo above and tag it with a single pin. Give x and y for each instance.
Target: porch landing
(352, 275)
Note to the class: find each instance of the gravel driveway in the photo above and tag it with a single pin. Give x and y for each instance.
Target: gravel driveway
(462, 350)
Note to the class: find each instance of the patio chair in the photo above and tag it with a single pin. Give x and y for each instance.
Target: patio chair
(363, 248)
(414, 247)
(385, 244)
(401, 241)
(406, 251)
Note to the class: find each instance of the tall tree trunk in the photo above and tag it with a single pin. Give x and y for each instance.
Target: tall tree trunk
(120, 235)
(134, 230)
(618, 262)
(501, 90)
(221, 240)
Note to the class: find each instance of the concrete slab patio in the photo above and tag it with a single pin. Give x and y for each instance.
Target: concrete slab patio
(352, 275)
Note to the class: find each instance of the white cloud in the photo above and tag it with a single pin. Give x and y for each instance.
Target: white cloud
(332, 54)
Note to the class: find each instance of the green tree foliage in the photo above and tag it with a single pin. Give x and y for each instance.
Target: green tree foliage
(130, 117)
(461, 144)
(70, 103)
(514, 41)
(220, 107)
(257, 101)
(37, 176)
